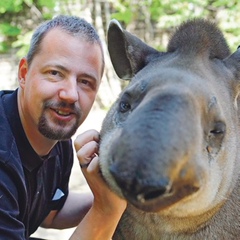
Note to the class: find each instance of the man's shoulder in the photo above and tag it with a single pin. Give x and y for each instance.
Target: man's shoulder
(8, 148)
(3, 92)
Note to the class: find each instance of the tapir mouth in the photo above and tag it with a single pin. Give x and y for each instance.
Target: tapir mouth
(157, 200)
(155, 192)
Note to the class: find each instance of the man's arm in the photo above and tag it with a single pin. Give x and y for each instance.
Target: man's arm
(103, 211)
(73, 211)
(94, 221)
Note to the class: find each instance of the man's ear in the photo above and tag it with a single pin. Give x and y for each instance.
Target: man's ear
(22, 71)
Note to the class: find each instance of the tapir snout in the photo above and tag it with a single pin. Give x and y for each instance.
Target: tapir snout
(163, 169)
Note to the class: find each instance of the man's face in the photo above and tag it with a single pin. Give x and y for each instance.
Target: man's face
(60, 85)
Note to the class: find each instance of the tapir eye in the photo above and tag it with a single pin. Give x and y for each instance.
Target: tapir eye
(215, 137)
(219, 128)
(124, 106)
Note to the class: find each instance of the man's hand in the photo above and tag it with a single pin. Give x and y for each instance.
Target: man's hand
(87, 146)
(107, 209)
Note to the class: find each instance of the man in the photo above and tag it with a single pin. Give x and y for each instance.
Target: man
(58, 82)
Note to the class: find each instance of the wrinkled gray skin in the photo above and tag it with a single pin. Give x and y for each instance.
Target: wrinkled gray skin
(170, 143)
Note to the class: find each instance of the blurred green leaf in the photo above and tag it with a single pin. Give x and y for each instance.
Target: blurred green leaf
(9, 30)
(125, 16)
(10, 5)
(47, 3)
(22, 43)
(3, 47)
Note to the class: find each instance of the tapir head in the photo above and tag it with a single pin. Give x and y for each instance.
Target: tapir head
(170, 141)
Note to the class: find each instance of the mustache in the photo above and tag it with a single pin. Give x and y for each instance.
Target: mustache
(58, 105)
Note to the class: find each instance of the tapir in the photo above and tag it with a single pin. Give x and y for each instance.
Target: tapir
(170, 143)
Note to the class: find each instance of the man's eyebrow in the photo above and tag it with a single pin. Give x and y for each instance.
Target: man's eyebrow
(57, 66)
(60, 67)
(87, 75)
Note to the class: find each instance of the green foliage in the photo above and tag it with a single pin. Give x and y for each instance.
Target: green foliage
(157, 18)
(124, 16)
(19, 17)
(10, 5)
(9, 30)
(22, 43)
(123, 12)
(47, 3)
(165, 15)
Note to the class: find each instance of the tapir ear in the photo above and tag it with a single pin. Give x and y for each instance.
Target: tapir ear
(233, 63)
(127, 52)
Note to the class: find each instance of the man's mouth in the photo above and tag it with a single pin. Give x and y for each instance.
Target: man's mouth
(63, 113)
(63, 110)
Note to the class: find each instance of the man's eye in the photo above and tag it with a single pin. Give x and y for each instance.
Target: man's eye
(54, 72)
(86, 82)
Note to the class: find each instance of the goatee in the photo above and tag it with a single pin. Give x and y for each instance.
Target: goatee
(59, 133)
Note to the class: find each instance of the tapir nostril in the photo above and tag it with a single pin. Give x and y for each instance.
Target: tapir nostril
(151, 194)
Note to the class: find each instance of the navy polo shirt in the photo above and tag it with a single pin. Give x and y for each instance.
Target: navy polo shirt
(30, 186)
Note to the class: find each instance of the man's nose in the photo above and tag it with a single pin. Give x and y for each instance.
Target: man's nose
(69, 91)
